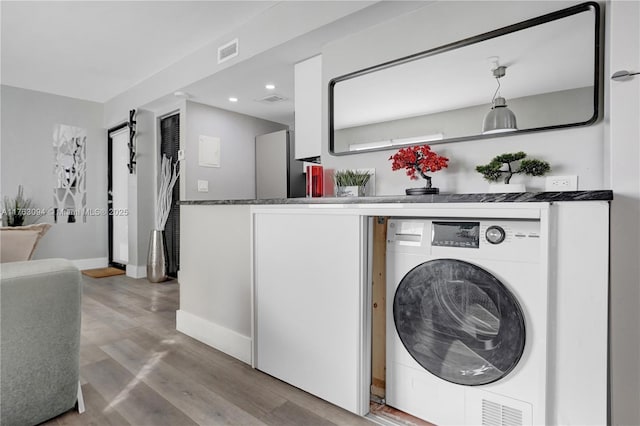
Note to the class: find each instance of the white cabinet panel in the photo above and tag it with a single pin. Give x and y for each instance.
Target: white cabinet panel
(272, 152)
(309, 303)
(308, 107)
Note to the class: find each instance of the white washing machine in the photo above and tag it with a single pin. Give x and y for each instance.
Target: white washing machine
(467, 320)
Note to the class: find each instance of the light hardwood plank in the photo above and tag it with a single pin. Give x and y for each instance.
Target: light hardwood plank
(136, 369)
(94, 414)
(290, 414)
(198, 402)
(129, 396)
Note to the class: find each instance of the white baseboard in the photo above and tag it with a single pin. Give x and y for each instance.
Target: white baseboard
(137, 271)
(98, 262)
(214, 335)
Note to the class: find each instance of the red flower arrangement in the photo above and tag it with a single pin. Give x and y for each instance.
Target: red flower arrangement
(418, 160)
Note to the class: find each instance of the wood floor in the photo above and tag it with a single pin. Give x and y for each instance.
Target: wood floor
(136, 369)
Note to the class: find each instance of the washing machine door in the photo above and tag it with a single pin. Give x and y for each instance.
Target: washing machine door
(459, 322)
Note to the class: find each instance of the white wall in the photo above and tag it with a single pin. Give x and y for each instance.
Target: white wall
(28, 119)
(623, 98)
(142, 189)
(235, 178)
(573, 151)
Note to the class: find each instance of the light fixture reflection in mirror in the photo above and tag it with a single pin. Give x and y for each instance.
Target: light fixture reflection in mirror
(365, 146)
(445, 90)
(499, 119)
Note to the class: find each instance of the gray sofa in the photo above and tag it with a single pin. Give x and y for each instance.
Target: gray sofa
(39, 340)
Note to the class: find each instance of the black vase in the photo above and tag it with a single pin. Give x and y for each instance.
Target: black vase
(427, 189)
(421, 191)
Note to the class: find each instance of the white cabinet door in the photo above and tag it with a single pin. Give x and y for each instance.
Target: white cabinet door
(308, 107)
(309, 303)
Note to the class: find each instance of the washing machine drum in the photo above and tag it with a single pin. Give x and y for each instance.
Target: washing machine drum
(459, 322)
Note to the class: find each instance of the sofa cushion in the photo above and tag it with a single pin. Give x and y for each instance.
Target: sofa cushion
(40, 312)
(18, 243)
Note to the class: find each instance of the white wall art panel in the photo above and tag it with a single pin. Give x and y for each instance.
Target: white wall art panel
(69, 169)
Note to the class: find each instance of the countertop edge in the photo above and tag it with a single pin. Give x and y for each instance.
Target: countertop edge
(516, 197)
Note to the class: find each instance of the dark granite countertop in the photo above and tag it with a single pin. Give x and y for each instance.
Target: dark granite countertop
(516, 197)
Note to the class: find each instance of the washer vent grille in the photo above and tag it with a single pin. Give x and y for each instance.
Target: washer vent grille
(494, 414)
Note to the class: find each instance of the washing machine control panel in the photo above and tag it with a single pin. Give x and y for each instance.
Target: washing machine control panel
(501, 239)
(456, 234)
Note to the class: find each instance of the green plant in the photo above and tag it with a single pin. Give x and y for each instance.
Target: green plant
(352, 177)
(18, 209)
(507, 165)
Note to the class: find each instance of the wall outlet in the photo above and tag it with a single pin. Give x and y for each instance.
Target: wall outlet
(561, 183)
(180, 154)
(203, 186)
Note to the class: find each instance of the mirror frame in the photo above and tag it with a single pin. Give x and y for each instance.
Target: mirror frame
(563, 13)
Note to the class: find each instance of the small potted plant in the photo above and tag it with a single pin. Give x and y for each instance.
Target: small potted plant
(351, 183)
(418, 161)
(504, 166)
(19, 211)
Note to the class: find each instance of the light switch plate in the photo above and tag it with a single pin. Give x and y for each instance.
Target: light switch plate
(561, 183)
(203, 186)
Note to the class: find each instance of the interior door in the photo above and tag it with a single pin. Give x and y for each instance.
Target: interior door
(118, 194)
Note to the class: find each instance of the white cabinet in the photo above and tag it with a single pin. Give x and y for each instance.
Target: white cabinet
(309, 331)
(308, 107)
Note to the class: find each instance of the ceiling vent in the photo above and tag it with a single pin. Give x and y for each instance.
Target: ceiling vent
(228, 51)
(272, 99)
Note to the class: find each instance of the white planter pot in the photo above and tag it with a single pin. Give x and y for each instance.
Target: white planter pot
(506, 187)
(350, 191)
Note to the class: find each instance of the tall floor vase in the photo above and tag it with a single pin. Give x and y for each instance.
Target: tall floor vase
(157, 258)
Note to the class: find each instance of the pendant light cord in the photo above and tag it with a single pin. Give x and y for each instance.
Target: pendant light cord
(497, 90)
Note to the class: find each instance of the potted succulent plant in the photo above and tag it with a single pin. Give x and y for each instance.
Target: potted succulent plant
(418, 161)
(351, 183)
(504, 166)
(20, 211)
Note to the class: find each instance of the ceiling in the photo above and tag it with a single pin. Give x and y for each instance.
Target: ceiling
(95, 50)
(246, 80)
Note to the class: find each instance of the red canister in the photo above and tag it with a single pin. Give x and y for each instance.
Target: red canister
(314, 181)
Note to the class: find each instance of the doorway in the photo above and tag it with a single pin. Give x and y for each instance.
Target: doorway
(169, 146)
(118, 195)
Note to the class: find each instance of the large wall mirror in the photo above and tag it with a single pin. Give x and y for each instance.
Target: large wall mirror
(535, 75)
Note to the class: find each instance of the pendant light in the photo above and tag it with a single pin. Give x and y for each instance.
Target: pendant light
(499, 119)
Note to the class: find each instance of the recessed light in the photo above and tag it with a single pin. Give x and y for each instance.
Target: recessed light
(181, 94)
(270, 86)
(232, 99)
